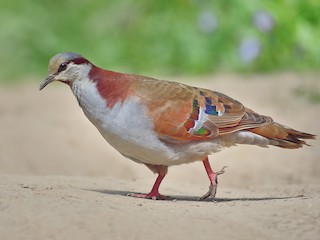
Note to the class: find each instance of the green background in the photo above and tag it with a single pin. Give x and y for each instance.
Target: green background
(158, 37)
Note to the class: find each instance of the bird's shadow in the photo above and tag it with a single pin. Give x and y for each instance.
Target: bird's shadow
(196, 199)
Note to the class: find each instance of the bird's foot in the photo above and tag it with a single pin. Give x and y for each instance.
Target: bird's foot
(211, 194)
(153, 196)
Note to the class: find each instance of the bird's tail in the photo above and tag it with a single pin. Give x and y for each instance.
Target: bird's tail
(282, 136)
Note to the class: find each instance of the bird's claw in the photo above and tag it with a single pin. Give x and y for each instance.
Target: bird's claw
(222, 171)
(211, 194)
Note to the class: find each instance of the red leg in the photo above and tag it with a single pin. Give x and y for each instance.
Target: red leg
(213, 177)
(154, 194)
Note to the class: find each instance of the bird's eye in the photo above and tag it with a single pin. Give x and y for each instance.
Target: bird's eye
(62, 67)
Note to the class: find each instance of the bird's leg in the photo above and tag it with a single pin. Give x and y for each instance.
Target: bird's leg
(154, 194)
(213, 177)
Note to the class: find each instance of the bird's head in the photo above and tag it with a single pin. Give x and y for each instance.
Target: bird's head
(65, 67)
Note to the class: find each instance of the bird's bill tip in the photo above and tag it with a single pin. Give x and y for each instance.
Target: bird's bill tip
(48, 80)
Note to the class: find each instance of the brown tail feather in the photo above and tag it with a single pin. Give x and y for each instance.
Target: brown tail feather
(283, 136)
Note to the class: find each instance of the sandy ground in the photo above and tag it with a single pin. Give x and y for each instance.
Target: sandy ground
(60, 180)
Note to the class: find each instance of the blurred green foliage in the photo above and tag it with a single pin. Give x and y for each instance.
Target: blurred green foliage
(171, 37)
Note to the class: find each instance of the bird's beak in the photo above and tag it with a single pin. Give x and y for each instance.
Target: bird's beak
(48, 80)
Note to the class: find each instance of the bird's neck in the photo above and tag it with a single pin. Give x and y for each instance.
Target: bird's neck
(113, 87)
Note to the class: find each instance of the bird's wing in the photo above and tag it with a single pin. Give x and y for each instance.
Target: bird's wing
(182, 112)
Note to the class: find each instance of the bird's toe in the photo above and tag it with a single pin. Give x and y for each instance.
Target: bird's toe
(149, 196)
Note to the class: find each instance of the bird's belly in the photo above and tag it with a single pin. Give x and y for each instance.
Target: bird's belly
(159, 153)
(140, 150)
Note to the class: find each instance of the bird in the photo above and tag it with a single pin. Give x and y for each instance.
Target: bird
(162, 123)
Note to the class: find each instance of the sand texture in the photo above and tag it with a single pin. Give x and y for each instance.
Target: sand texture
(59, 179)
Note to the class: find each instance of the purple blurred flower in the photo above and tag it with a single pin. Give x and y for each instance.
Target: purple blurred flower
(249, 49)
(264, 21)
(207, 22)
